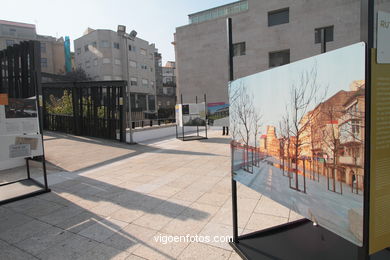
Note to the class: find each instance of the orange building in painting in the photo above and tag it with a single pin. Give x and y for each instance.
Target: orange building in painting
(269, 142)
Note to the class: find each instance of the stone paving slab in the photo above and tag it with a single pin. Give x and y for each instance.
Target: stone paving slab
(114, 201)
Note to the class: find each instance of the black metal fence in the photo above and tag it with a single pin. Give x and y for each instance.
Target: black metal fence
(20, 69)
(93, 108)
(152, 122)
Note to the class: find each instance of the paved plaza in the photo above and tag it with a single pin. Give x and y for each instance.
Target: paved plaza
(117, 201)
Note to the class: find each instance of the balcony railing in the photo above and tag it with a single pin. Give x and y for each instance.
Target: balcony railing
(350, 160)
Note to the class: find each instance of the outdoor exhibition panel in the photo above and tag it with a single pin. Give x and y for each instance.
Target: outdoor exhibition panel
(20, 121)
(300, 138)
(218, 114)
(191, 116)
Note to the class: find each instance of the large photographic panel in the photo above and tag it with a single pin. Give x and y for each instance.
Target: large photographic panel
(298, 137)
(218, 114)
(191, 114)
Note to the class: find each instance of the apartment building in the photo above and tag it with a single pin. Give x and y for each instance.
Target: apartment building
(105, 55)
(166, 95)
(266, 34)
(52, 49)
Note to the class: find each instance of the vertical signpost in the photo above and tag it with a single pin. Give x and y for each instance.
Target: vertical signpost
(231, 78)
(379, 209)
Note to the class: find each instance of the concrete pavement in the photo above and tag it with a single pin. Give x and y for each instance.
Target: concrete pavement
(115, 201)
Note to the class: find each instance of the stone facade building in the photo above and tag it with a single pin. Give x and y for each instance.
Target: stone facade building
(265, 34)
(52, 49)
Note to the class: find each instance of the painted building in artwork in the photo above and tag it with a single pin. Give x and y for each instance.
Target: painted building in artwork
(269, 143)
(334, 135)
(352, 132)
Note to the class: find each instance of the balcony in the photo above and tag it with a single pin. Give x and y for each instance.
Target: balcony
(349, 160)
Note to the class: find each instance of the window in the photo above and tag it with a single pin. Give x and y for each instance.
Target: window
(95, 62)
(130, 48)
(43, 47)
(144, 82)
(107, 77)
(44, 62)
(78, 51)
(152, 84)
(117, 61)
(104, 44)
(279, 58)
(141, 102)
(116, 45)
(152, 102)
(355, 127)
(9, 42)
(328, 34)
(133, 82)
(144, 67)
(142, 51)
(87, 64)
(239, 49)
(133, 64)
(94, 44)
(106, 60)
(86, 48)
(279, 17)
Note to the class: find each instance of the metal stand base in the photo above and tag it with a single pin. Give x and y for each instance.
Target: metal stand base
(21, 189)
(298, 240)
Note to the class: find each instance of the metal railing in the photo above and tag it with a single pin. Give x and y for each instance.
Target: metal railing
(152, 122)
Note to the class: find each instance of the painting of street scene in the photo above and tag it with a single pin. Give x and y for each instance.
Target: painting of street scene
(298, 137)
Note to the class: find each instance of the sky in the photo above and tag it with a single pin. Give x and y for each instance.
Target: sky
(154, 20)
(271, 89)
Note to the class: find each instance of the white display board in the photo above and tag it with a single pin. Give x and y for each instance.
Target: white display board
(383, 37)
(191, 114)
(19, 129)
(179, 115)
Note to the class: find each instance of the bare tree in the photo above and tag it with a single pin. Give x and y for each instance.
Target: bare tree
(284, 133)
(331, 141)
(242, 106)
(256, 124)
(304, 95)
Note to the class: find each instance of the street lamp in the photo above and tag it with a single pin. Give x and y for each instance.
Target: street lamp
(125, 36)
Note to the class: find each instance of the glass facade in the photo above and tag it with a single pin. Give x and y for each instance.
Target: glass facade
(221, 11)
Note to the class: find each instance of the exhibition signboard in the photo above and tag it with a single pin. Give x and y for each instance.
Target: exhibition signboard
(191, 114)
(383, 37)
(298, 135)
(19, 128)
(218, 114)
(380, 156)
